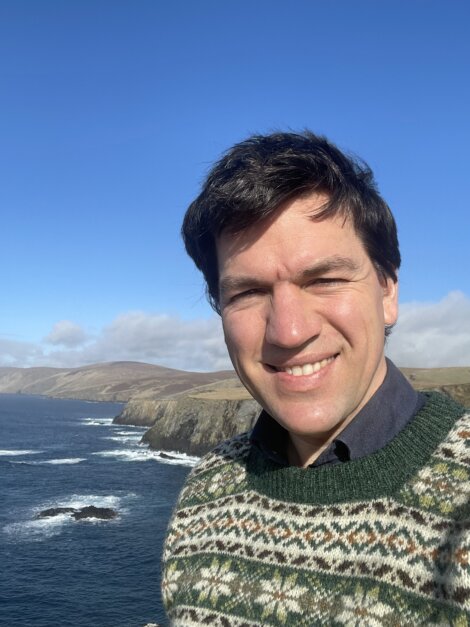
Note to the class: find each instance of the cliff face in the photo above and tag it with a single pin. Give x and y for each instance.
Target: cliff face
(194, 421)
(141, 413)
(195, 425)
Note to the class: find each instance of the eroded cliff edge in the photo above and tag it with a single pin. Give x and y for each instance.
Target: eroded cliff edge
(195, 425)
(196, 421)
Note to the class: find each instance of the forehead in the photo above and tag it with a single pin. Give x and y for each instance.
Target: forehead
(290, 237)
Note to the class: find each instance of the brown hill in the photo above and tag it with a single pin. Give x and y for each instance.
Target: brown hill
(113, 381)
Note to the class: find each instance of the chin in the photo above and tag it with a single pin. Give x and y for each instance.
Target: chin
(303, 421)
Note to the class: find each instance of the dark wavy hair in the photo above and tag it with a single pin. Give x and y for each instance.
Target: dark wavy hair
(255, 177)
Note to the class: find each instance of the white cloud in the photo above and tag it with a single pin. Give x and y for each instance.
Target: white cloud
(430, 335)
(66, 333)
(155, 338)
(15, 353)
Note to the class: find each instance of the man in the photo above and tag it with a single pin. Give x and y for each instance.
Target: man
(348, 502)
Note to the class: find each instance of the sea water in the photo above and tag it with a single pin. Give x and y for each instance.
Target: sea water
(62, 572)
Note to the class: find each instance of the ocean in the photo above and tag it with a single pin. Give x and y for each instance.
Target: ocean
(58, 571)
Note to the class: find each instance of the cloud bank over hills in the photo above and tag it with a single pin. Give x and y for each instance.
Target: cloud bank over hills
(431, 335)
(427, 335)
(195, 345)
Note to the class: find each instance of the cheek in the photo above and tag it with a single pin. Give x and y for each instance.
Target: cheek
(355, 316)
(243, 334)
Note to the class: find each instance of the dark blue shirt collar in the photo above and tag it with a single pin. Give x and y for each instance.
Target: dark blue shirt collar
(379, 421)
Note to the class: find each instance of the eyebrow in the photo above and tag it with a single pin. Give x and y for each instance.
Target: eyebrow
(238, 284)
(323, 266)
(331, 264)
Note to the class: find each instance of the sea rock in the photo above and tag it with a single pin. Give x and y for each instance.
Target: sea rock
(55, 511)
(167, 456)
(89, 511)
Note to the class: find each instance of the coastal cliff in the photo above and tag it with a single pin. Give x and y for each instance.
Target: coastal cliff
(142, 412)
(195, 425)
(196, 421)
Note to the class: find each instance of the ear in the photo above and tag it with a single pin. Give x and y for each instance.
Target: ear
(390, 300)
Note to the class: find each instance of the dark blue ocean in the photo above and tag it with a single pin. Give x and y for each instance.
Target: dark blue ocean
(58, 572)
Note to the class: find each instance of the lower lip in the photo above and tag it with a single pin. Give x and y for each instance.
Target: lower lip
(303, 382)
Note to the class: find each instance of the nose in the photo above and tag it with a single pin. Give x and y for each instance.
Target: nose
(291, 321)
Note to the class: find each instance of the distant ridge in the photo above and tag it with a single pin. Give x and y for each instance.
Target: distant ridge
(110, 381)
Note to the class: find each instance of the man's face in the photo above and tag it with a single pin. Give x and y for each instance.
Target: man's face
(303, 313)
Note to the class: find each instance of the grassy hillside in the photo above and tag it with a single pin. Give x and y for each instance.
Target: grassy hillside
(113, 381)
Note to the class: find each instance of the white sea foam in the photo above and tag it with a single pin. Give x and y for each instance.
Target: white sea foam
(16, 452)
(97, 422)
(66, 460)
(78, 501)
(124, 438)
(54, 462)
(42, 528)
(177, 458)
(39, 529)
(144, 454)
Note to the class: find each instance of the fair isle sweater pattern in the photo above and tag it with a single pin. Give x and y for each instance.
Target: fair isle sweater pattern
(383, 540)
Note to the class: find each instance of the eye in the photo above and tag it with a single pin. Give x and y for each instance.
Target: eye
(245, 294)
(327, 282)
(242, 297)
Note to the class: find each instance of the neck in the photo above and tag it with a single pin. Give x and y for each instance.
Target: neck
(302, 453)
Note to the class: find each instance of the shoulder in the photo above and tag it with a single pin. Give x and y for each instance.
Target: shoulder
(448, 423)
(226, 452)
(441, 486)
(456, 446)
(220, 472)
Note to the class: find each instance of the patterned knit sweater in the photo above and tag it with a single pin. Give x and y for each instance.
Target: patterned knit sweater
(383, 540)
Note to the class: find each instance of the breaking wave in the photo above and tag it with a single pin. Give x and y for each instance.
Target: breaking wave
(17, 452)
(66, 460)
(142, 454)
(97, 422)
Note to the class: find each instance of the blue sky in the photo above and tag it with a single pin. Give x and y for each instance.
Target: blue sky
(112, 111)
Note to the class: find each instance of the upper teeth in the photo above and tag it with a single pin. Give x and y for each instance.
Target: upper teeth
(298, 371)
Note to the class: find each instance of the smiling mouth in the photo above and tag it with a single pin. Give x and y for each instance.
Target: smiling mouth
(305, 369)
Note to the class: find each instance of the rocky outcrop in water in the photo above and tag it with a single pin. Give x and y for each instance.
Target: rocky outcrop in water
(89, 511)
